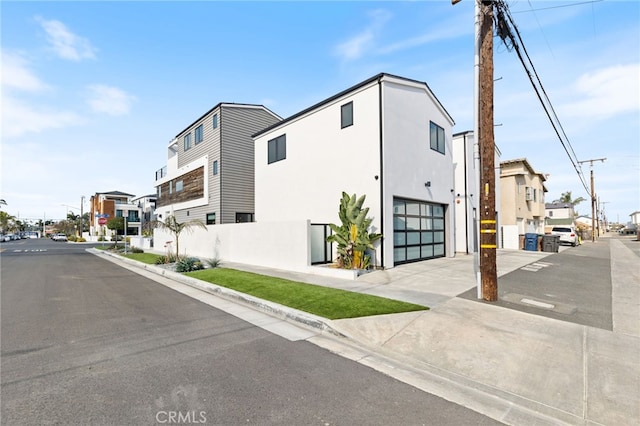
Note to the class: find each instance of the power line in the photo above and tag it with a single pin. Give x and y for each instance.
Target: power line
(504, 26)
(559, 6)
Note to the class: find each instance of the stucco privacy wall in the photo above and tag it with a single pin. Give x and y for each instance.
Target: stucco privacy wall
(282, 245)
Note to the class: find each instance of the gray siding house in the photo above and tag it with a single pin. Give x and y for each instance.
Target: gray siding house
(210, 166)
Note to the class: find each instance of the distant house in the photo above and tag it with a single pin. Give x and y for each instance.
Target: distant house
(388, 138)
(522, 206)
(147, 205)
(108, 205)
(209, 172)
(559, 214)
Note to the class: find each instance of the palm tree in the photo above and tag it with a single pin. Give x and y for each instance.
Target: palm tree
(172, 225)
(2, 202)
(565, 197)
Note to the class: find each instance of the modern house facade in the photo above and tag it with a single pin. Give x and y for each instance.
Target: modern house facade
(522, 205)
(209, 174)
(388, 138)
(108, 205)
(147, 204)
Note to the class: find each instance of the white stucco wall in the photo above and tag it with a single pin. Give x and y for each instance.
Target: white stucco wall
(409, 161)
(282, 245)
(322, 160)
(466, 188)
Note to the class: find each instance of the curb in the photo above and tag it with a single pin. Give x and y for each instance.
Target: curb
(274, 309)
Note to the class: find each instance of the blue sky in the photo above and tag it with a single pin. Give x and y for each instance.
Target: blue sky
(92, 92)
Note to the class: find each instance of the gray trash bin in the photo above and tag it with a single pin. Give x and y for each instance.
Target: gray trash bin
(551, 243)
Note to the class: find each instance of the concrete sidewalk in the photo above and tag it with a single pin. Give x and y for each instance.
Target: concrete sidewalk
(515, 367)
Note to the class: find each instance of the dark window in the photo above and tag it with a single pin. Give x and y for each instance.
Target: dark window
(215, 167)
(244, 217)
(277, 149)
(215, 121)
(211, 218)
(346, 115)
(436, 136)
(199, 134)
(187, 141)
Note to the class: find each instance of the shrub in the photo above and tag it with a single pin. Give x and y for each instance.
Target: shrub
(102, 239)
(72, 238)
(214, 262)
(167, 258)
(81, 240)
(136, 250)
(188, 264)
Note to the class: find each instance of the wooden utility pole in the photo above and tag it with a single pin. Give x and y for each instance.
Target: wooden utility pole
(488, 270)
(593, 199)
(488, 281)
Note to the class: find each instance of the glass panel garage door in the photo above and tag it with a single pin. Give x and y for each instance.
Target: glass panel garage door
(418, 230)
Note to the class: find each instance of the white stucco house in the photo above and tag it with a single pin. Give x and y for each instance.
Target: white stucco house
(388, 138)
(466, 171)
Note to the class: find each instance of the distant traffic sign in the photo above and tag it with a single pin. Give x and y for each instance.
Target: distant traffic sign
(102, 221)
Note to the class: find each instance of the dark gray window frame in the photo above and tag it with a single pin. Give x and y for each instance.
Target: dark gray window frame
(437, 143)
(346, 115)
(187, 141)
(215, 121)
(277, 149)
(215, 167)
(199, 134)
(209, 220)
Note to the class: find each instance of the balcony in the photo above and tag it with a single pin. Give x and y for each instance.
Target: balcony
(161, 173)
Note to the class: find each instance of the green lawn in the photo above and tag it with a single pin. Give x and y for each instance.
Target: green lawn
(322, 301)
(148, 258)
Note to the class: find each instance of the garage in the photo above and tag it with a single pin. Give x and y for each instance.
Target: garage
(418, 230)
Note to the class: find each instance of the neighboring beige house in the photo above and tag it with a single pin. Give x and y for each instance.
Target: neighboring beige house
(522, 206)
(559, 214)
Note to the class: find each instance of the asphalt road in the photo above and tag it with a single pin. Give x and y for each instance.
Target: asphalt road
(573, 285)
(86, 342)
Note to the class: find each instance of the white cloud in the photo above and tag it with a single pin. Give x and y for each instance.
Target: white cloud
(66, 44)
(17, 75)
(19, 118)
(110, 100)
(358, 44)
(607, 92)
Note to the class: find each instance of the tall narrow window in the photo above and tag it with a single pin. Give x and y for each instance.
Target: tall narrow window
(199, 134)
(215, 121)
(346, 115)
(179, 185)
(211, 218)
(187, 141)
(215, 167)
(436, 136)
(277, 149)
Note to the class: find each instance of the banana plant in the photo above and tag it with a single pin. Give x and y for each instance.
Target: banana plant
(353, 236)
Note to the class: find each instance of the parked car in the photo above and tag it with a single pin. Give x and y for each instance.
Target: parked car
(59, 237)
(4, 238)
(568, 234)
